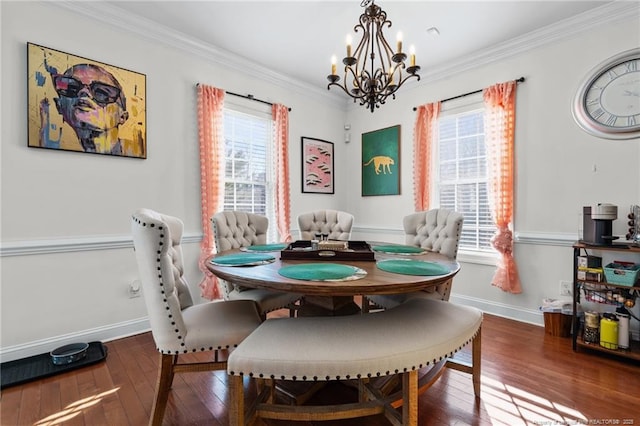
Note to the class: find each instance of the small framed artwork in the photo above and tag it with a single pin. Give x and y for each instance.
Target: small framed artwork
(79, 104)
(317, 165)
(381, 162)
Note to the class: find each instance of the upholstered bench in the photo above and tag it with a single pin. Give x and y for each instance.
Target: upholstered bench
(404, 339)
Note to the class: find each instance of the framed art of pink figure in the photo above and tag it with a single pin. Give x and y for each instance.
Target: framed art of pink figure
(317, 166)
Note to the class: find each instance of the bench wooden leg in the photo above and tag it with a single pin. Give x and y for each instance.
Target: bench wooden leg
(410, 398)
(474, 367)
(236, 398)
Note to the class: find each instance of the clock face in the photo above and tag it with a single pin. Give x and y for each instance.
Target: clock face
(608, 102)
(613, 99)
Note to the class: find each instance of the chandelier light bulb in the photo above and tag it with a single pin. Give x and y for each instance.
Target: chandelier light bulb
(412, 55)
(349, 41)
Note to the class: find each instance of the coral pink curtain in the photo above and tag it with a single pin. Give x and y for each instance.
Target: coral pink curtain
(424, 133)
(210, 105)
(280, 115)
(499, 127)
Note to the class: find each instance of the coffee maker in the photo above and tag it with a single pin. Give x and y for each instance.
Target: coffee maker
(598, 224)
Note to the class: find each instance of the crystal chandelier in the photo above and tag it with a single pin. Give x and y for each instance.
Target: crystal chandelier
(373, 72)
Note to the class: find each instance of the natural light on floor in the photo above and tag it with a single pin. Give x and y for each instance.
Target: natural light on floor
(74, 409)
(510, 406)
(505, 405)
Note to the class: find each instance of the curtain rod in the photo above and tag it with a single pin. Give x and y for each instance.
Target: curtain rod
(250, 97)
(518, 80)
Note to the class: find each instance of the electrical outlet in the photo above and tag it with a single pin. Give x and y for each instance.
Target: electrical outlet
(135, 289)
(566, 288)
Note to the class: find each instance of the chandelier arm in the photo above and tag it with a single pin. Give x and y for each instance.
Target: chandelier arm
(356, 92)
(343, 89)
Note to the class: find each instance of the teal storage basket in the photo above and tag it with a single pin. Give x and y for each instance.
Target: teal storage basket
(622, 273)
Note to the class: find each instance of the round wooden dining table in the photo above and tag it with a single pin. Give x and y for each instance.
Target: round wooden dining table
(335, 297)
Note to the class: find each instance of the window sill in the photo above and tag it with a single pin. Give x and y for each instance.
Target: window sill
(477, 257)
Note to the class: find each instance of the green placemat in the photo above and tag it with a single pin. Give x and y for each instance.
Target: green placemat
(398, 249)
(317, 271)
(243, 259)
(268, 247)
(412, 267)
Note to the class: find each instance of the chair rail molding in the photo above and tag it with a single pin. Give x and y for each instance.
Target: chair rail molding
(82, 243)
(546, 238)
(368, 229)
(108, 242)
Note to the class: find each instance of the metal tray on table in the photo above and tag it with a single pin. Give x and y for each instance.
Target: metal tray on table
(302, 250)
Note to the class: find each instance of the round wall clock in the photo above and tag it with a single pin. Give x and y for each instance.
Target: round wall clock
(607, 103)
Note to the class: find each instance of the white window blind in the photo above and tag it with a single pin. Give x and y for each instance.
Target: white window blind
(248, 178)
(462, 176)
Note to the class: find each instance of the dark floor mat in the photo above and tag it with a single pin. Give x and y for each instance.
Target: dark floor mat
(40, 366)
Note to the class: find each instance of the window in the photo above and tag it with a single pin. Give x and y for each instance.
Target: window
(462, 176)
(248, 173)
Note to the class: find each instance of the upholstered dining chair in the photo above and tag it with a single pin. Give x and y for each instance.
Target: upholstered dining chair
(177, 325)
(235, 229)
(436, 230)
(334, 223)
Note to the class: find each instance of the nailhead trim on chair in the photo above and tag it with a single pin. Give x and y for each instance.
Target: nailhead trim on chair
(179, 329)
(167, 307)
(160, 277)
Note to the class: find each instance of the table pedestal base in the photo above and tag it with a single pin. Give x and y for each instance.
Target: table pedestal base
(315, 306)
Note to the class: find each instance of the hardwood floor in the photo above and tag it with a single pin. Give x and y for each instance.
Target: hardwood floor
(528, 378)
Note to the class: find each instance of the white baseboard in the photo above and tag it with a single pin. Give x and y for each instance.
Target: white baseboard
(141, 325)
(100, 334)
(531, 316)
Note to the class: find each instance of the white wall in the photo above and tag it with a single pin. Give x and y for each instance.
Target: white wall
(66, 252)
(554, 163)
(54, 201)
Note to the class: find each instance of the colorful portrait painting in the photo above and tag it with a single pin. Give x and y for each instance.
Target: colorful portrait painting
(78, 104)
(317, 166)
(381, 162)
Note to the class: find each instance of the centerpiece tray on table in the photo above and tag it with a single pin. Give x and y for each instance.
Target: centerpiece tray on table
(330, 250)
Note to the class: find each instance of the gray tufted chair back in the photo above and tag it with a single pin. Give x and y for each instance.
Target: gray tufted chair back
(437, 230)
(156, 238)
(234, 229)
(336, 223)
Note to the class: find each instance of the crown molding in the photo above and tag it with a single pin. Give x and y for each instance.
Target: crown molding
(145, 28)
(609, 13)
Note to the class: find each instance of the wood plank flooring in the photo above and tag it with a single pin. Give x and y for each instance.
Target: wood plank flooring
(528, 378)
